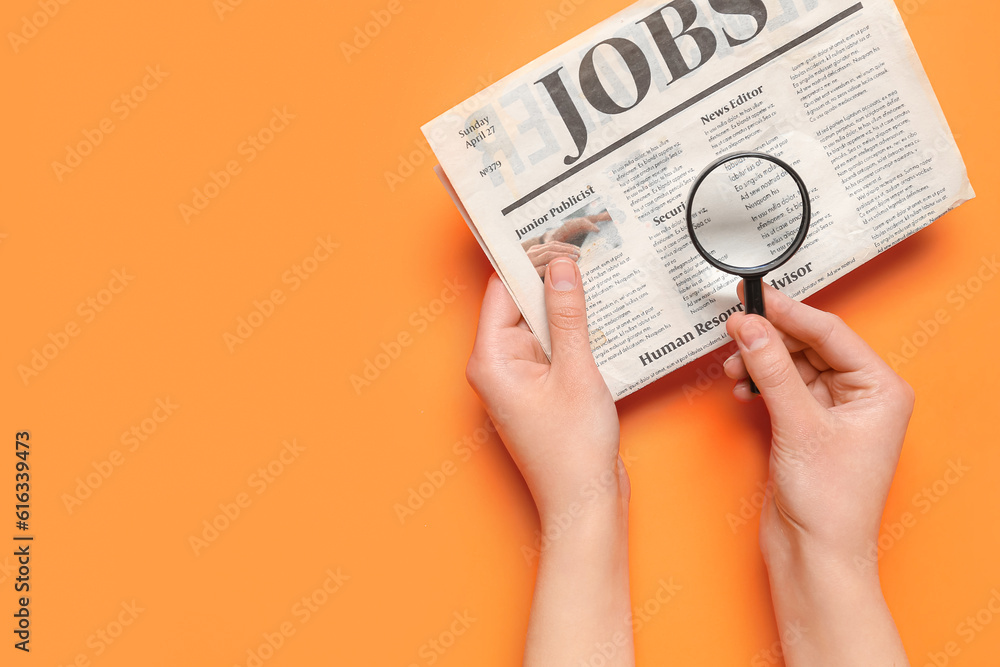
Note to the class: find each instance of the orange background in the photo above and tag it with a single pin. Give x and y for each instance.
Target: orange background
(695, 459)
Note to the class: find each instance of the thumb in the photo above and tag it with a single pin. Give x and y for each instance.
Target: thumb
(771, 368)
(567, 314)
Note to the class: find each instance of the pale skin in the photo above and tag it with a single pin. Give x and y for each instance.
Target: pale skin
(553, 244)
(541, 254)
(838, 417)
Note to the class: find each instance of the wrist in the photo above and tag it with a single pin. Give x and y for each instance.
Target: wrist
(585, 534)
(815, 576)
(832, 613)
(791, 551)
(601, 502)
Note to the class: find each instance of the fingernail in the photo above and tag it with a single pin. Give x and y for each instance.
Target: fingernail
(753, 335)
(562, 273)
(736, 355)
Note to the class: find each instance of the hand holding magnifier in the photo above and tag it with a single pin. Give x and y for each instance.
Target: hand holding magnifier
(747, 214)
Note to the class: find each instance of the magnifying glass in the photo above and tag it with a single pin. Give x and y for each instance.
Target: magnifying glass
(747, 214)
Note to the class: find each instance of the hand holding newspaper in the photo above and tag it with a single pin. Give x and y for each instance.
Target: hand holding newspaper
(590, 151)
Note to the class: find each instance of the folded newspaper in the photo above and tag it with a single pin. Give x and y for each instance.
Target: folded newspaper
(591, 150)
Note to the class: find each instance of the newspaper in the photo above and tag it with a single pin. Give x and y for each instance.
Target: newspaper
(596, 144)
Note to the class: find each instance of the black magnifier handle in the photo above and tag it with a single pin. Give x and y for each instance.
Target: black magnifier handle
(753, 294)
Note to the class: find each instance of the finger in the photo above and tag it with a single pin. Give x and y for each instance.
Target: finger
(836, 343)
(806, 370)
(742, 392)
(580, 225)
(793, 344)
(553, 246)
(498, 311)
(567, 314)
(735, 368)
(563, 247)
(771, 367)
(817, 361)
(547, 257)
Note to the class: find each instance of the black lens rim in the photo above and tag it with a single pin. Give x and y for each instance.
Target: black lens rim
(763, 269)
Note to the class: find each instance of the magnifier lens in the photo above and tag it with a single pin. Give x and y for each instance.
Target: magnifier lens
(747, 212)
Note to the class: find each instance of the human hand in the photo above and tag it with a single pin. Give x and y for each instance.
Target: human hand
(560, 425)
(543, 253)
(557, 419)
(574, 227)
(838, 418)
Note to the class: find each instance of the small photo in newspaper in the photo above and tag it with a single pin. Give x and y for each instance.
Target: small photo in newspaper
(584, 234)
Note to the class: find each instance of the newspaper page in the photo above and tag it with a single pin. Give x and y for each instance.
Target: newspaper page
(597, 143)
